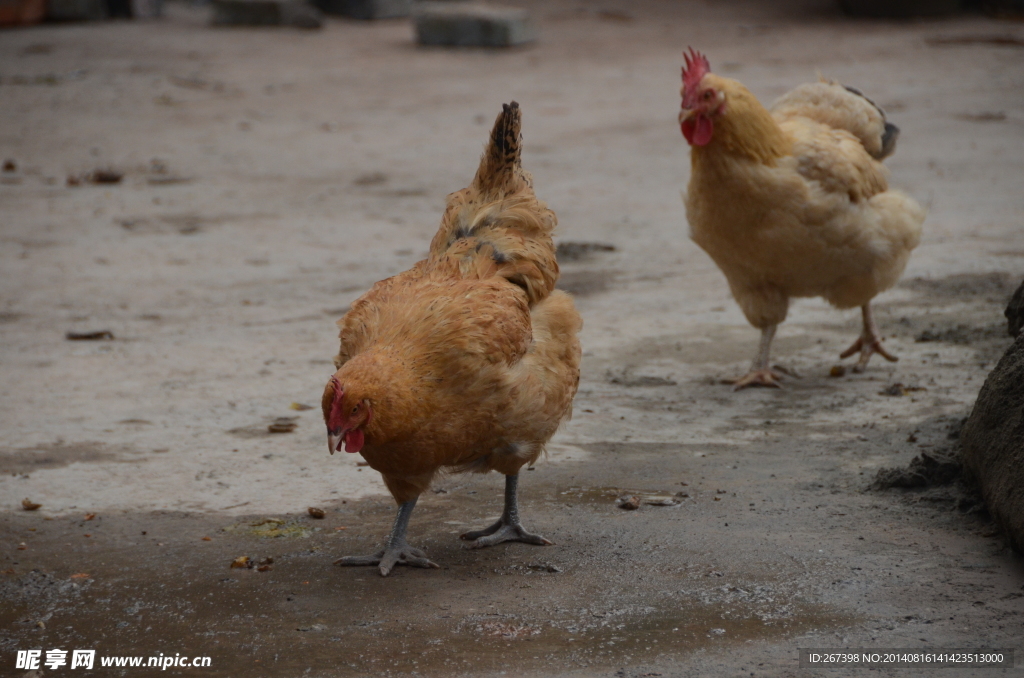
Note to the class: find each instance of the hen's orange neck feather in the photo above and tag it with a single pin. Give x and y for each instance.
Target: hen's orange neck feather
(389, 384)
(745, 127)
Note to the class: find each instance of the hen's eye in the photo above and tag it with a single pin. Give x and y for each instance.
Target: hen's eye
(707, 94)
(355, 409)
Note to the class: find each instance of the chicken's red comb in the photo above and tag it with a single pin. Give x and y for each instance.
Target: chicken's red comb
(696, 67)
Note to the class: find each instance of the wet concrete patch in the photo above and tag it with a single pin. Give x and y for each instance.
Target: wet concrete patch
(136, 591)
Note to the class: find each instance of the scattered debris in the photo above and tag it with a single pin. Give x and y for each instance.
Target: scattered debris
(283, 425)
(22, 547)
(300, 407)
(272, 527)
(628, 502)
(630, 381)
(661, 501)
(89, 336)
(89, 516)
(314, 627)
(837, 371)
(80, 575)
(10, 166)
(247, 563)
(317, 513)
(899, 389)
(544, 567)
(29, 505)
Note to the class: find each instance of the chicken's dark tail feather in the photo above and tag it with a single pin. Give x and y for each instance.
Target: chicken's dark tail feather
(501, 166)
(891, 133)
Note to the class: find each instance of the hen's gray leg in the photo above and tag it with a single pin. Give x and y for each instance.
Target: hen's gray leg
(508, 527)
(396, 550)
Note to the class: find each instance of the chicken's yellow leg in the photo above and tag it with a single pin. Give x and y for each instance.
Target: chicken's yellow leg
(868, 343)
(760, 374)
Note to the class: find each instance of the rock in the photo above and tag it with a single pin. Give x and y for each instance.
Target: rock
(472, 25)
(366, 9)
(993, 443)
(266, 13)
(901, 9)
(1015, 312)
(76, 10)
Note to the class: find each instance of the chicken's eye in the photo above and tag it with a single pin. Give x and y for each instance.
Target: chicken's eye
(708, 94)
(355, 410)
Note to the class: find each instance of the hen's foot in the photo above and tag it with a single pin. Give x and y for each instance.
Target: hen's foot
(762, 377)
(400, 554)
(867, 345)
(503, 531)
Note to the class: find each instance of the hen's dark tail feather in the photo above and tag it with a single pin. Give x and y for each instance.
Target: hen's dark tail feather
(501, 169)
(891, 133)
(496, 225)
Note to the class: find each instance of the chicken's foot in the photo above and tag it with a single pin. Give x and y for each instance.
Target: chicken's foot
(508, 527)
(868, 343)
(396, 550)
(760, 374)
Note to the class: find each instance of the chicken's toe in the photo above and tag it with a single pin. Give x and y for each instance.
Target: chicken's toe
(762, 377)
(387, 559)
(503, 531)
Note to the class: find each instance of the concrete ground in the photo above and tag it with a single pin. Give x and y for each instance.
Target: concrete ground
(272, 175)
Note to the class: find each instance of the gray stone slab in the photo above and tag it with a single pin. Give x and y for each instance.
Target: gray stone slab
(76, 10)
(266, 13)
(366, 9)
(461, 24)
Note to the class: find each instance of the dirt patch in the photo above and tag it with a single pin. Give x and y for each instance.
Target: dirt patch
(27, 460)
(993, 288)
(585, 283)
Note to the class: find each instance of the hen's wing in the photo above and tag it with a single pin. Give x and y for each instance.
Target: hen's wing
(835, 159)
(843, 108)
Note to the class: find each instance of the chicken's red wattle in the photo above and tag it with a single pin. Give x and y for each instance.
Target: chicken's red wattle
(354, 440)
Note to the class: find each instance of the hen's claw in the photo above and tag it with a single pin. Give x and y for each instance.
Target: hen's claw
(399, 554)
(503, 531)
(763, 377)
(868, 343)
(396, 550)
(508, 527)
(867, 349)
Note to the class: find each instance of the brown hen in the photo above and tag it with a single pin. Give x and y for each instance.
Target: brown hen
(469, 361)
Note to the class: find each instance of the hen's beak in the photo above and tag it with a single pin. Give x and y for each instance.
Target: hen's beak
(334, 441)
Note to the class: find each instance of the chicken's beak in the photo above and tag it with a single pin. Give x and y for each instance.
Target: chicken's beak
(334, 441)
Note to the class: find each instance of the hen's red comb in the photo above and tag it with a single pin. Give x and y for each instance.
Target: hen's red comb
(696, 67)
